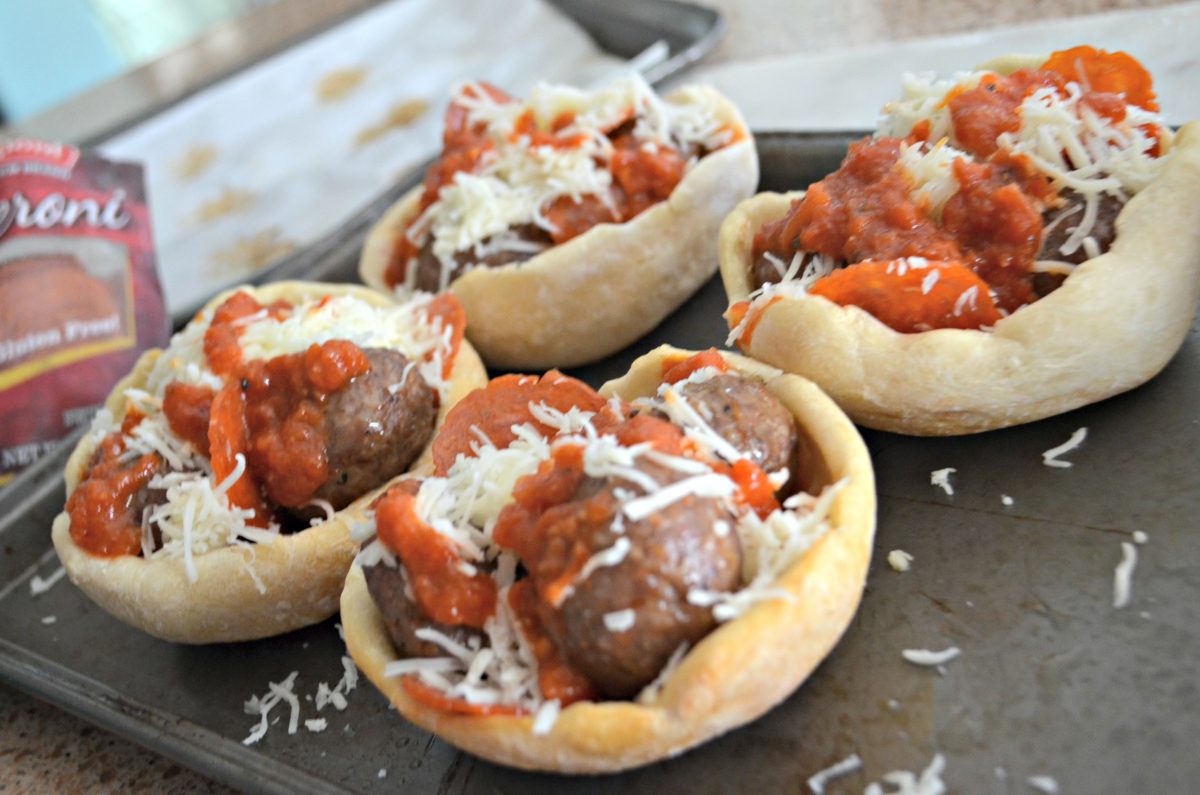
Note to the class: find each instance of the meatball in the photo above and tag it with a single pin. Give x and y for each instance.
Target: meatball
(745, 414)
(688, 544)
(429, 267)
(375, 427)
(764, 271)
(388, 586)
(1104, 231)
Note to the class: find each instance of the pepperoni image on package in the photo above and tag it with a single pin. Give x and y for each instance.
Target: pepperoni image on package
(79, 293)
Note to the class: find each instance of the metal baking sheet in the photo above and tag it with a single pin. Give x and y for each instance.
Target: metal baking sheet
(1052, 679)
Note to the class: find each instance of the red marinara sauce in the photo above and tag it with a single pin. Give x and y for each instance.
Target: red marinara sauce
(104, 519)
(285, 423)
(443, 591)
(557, 678)
(221, 339)
(188, 411)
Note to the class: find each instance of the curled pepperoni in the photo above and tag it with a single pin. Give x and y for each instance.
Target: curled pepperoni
(678, 369)
(503, 403)
(911, 299)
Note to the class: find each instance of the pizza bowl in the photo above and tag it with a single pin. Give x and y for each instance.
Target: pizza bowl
(1113, 324)
(598, 292)
(238, 591)
(734, 674)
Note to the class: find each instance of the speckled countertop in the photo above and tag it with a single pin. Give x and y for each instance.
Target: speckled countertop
(43, 749)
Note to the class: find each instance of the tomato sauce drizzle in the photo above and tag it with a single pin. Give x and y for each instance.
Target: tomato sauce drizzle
(445, 311)
(187, 409)
(444, 592)
(285, 422)
(557, 678)
(102, 506)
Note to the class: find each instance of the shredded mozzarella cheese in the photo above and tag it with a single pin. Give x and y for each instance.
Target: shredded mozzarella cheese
(931, 658)
(1046, 784)
(1051, 458)
(262, 706)
(1123, 575)
(38, 585)
(818, 780)
(899, 560)
(941, 478)
(906, 783)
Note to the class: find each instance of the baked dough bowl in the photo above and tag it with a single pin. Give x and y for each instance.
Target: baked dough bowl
(593, 295)
(736, 673)
(1114, 324)
(302, 573)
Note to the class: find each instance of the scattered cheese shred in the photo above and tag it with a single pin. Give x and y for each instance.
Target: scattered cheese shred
(906, 783)
(316, 724)
(262, 706)
(899, 560)
(1006, 500)
(1046, 784)
(1123, 575)
(929, 657)
(38, 586)
(547, 715)
(1140, 537)
(941, 477)
(1051, 457)
(620, 620)
(818, 780)
(47, 620)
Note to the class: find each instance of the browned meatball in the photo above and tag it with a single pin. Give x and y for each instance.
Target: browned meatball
(402, 616)
(375, 429)
(745, 414)
(763, 271)
(1104, 231)
(671, 552)
(429, 267)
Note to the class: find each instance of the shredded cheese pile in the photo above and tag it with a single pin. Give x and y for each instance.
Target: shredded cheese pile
(516, 181)
(196, 516)
(465, 505)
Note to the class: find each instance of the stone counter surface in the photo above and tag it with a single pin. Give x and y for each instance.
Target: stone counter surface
(43, 749)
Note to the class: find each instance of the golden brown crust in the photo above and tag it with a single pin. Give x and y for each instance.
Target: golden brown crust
(301, 573)
(1113, 325)
(595, 294)
(736, 673)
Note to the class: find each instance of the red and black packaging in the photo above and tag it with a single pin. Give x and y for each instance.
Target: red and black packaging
(79, 293)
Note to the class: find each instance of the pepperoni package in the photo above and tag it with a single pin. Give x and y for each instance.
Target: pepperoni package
(79, 294)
